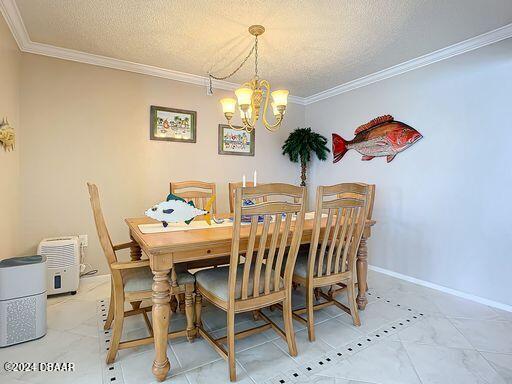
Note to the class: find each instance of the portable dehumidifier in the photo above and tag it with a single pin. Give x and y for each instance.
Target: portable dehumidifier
(63, 261)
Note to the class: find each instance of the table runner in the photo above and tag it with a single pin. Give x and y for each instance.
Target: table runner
(196, 224)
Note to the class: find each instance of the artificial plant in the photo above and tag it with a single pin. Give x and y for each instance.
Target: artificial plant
(299, 146)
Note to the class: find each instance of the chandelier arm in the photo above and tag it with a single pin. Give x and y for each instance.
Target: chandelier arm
(270, 127)
(234, 127)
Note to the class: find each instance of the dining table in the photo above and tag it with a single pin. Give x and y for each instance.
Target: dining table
(167, 247)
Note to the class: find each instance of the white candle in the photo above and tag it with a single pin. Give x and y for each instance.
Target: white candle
(255, 175)
(243, 181)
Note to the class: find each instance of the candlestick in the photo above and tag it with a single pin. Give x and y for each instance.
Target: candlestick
(243, 181)
(254, 179)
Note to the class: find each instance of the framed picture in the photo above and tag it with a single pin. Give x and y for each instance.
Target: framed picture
(235, 142)
(170, 124)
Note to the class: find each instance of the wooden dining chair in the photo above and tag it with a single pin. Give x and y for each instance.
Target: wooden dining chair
(232, 188)
(254, 282)
(131, 281)
(332, 255)
(197, 191)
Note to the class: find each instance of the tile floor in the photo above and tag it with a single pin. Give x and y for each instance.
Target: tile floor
(455, 341)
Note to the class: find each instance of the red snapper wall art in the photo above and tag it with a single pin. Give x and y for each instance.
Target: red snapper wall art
(383, 136)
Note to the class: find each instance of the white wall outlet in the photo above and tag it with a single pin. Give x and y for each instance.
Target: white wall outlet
(84, 240)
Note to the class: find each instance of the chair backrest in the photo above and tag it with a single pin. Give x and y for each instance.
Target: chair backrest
(197, 191)
(232, 188)
(101, 227)
(371, 198)
(273, 233)
(346, 208)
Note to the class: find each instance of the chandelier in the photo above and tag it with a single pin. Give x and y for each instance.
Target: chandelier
(254, 94)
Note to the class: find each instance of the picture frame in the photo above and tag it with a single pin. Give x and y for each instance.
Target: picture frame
(172, 124)
(236, 142)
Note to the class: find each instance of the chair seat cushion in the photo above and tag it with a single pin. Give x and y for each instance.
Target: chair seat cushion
(301, 265)
(141, 279)
(215, 281)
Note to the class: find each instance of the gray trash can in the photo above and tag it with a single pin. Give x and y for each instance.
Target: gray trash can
(22, 299)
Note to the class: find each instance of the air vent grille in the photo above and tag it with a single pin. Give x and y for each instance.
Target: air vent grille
(59, 256)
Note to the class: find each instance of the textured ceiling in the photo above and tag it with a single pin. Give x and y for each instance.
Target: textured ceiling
(309, 46)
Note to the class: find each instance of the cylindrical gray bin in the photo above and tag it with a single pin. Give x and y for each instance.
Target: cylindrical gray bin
(22, 299)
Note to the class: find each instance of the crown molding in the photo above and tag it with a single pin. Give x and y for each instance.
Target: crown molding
(12, 16)
(471, 44)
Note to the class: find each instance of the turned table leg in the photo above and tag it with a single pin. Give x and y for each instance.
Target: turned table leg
(135, 253)
(161, 315)
(362, 273)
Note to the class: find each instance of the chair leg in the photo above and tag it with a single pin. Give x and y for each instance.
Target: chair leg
(189, 311)
(317, 294)
(310, 306)
(351, 293)
(231, 345)
(181, 301)
(110, 315)
(288, 326)
(117, 328)
(173, 303)
(199, 307)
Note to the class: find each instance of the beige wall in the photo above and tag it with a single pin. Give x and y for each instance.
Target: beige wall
(86, 123)
(9, 161)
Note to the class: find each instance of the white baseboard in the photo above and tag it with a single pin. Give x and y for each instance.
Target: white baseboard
(441, 288)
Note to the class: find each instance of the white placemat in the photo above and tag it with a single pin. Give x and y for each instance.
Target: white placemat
(195, 224)
(174, 227)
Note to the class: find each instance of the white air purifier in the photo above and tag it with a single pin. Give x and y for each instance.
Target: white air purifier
(63, 261)
(22, 299)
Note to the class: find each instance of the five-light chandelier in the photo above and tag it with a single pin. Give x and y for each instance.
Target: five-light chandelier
(252, 94)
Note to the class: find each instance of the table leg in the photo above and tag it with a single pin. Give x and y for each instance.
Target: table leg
(362, 273)
(135, 253)
(161, 315)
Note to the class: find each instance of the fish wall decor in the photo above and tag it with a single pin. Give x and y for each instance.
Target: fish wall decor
(383, 136)
(7, 136)
(175, 210)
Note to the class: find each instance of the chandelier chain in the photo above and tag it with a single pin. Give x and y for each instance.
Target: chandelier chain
(253, 49)
(256, 58)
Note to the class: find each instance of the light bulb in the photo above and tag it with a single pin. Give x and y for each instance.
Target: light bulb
(247, 114)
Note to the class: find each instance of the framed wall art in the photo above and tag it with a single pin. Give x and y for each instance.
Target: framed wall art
(170, 124)
(235, 142)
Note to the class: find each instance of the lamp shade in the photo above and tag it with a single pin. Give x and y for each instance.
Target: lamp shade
(228, 105)
(280, 97)
(244, 96)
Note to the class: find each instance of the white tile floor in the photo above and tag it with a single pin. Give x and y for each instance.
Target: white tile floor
(455, 341)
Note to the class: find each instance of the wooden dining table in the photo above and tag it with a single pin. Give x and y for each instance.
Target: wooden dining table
(166, 249)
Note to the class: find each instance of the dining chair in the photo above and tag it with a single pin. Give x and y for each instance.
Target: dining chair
(331, 258)
(369, 214)
(254, 281)
(232, 188)
(197, 191)
(131, 281)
